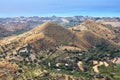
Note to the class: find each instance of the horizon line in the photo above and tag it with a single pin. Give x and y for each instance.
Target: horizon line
(57, 16)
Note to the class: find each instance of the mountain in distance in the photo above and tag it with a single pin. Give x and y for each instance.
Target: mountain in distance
(114, 23)
(19, 25)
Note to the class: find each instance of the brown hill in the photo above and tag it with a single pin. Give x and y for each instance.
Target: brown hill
(18, 28)
(54, 35)
(99, 29)
(45, 36)
(4, 32)
(93, 32)
(50, 36)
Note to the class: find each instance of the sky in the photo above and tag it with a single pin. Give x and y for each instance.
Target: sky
(17, 8)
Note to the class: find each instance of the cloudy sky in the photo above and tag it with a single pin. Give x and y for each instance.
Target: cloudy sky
(12, 8)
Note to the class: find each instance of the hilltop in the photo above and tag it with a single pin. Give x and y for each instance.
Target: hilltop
(98, 31)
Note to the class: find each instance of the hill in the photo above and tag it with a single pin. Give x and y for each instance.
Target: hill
(4, 32)
(45, 36)
(49, 51)
(113, 26)
(17, 28)
(50, 35)
(95, 31)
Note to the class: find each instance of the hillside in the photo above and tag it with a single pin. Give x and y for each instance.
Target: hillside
(50, 35)
(49, 51)
(4, 32)
(114, 27)
(18, 28)
(97, 31)
(45, 36)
